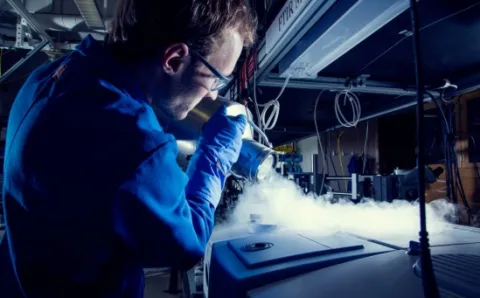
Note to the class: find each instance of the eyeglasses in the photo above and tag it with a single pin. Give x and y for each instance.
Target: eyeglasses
(221, 81)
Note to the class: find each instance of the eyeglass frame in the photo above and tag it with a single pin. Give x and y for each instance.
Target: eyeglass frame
(222, 80)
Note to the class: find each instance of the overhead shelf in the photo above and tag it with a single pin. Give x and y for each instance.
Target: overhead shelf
(364, 46)
(342, 27)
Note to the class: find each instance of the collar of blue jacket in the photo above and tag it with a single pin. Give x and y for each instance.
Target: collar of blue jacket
(109, 70)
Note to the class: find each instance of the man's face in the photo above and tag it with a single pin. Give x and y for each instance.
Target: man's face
(188, 80)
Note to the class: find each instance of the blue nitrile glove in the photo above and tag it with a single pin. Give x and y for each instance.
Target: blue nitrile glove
(218, 149)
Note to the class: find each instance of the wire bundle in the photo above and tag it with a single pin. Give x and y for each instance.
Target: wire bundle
(354, 103)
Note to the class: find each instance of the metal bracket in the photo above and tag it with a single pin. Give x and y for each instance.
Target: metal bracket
(22, 32)
(357, 82)
(19, 34)
(23, 12)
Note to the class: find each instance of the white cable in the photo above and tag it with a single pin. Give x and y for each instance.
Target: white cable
(269, 124)
(259, 131)
(356, 108)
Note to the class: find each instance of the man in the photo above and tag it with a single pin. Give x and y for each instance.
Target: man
(92, 191)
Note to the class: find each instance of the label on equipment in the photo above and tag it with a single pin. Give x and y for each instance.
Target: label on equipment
(284, 20)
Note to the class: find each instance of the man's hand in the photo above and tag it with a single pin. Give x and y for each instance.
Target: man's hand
(222, 138)
(218, 149)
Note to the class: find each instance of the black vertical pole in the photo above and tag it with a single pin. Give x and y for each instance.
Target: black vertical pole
(428, 278)
(316, 178)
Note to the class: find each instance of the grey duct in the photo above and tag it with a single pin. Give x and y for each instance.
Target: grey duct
(90, 13)
(74, 23)
(256, 161)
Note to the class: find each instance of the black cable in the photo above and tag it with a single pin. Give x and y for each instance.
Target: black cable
(451, 150)
(451, 155)
(440, 110)
(451, 193)
(430, 288)
(477, 172)
(460, 181)
(325, 152)
(319, 140)
(333, 163)
(462, 189)
(475, 166)
(447, 129)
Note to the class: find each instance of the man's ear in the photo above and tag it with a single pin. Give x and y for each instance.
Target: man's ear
(174, 58)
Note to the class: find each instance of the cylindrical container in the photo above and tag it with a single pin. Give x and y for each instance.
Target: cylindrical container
(255, 160)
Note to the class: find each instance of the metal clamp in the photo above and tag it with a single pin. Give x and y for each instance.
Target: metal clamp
(357, 82)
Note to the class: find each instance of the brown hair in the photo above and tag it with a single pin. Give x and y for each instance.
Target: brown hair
(141, 27)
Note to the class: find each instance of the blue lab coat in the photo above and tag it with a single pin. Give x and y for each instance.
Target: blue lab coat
(92, 190)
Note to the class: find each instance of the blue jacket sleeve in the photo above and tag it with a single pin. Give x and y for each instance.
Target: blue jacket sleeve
(157, 219)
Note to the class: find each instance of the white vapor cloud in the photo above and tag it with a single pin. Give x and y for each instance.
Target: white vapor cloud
(281, 202)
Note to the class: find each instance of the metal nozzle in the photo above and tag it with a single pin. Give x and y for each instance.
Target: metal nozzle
(256, 161)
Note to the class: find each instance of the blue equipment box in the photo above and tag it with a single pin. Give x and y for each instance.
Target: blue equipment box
(241, 264)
